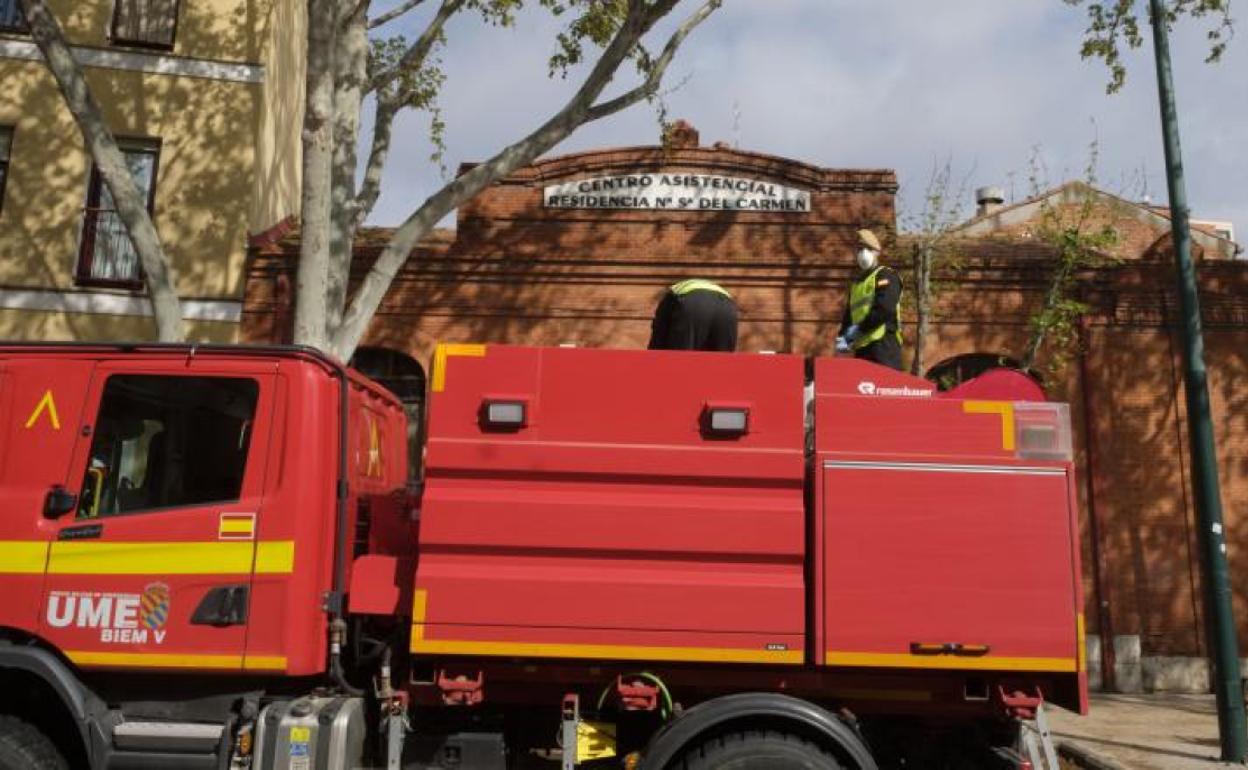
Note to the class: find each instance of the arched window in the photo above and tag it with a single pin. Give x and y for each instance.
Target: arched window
(404, 377)
(952, 372)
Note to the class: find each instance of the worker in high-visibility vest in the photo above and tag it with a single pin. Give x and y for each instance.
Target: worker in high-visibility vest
(871, 324)
(695, 315)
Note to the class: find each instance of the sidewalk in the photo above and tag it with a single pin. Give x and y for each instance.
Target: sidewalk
(1146, 732)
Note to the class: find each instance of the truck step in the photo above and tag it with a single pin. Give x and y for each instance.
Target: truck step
(177, 737)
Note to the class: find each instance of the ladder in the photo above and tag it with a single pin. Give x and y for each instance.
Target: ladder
(1034, 748)
(1037, 741)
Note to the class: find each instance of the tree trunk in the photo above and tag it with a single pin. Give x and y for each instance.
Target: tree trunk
(580, 109)
(131, 204)
(312, 277)
(350, 75)
(923, 305)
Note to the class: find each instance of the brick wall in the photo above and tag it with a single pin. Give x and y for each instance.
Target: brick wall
(517, 272)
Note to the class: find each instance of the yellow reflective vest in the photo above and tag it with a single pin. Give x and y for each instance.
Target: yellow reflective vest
(861, 297)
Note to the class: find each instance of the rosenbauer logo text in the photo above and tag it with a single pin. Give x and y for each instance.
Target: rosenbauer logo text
(121, 618)
(868, 388)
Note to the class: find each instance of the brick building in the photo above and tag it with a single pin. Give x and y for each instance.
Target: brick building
(577, 249)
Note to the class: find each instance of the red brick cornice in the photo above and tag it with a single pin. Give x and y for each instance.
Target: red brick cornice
(707, 159)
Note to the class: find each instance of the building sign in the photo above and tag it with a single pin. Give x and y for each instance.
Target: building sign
(677, 192)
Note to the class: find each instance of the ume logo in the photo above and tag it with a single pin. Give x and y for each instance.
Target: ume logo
(121, 618)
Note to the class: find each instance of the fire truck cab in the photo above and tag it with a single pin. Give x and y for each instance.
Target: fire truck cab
(212, 557)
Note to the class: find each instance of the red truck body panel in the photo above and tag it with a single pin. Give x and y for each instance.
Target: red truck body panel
(947, 529)
(881, 536)
(35, 427)
(610, 525)
(118, 588)
(940, 536)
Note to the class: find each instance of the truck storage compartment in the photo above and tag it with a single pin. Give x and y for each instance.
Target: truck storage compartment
(947, 535)
(613, 504)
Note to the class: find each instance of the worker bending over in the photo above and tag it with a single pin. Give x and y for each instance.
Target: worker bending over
(695, 315)
(871, 324)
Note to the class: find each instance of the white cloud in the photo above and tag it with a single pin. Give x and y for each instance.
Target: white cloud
(898, 84)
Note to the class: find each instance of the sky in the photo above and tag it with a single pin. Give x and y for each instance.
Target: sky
(909, 85)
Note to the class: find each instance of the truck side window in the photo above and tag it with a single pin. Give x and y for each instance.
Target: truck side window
(163, 442)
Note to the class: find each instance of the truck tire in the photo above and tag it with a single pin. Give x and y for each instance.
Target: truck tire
(23, 747)
(758, 750)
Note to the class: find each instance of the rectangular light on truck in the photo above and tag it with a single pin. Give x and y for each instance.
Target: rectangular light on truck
(725, 420)
(504, 415)
(1042, 431)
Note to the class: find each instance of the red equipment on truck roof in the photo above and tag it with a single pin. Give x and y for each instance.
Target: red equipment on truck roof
(773, 542)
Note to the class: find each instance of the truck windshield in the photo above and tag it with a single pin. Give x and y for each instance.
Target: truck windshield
(164, 442)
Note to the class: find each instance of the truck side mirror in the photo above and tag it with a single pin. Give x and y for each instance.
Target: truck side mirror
(59, 502)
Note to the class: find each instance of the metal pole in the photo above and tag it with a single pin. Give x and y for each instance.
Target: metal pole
(1091, 453)
(1225, 652)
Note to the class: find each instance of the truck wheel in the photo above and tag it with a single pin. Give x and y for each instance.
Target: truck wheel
(23, 747)
(758, 750)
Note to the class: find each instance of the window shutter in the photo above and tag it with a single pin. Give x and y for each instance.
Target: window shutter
(11, 18)
(128, 22)
(162, 16)
(146, 21)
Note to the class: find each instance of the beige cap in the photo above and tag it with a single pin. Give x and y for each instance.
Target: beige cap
(868, 239)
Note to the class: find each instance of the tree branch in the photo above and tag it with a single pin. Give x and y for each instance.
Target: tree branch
(131, 204)
(370, 189)
(657, 70)
(574, 113)
(393, 14)
(415, 55)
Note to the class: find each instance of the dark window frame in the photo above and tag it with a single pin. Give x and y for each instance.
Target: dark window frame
(6, 162)
(14, 23)
(91, 216)
(247, 458)
(118, 39)
(389, 368)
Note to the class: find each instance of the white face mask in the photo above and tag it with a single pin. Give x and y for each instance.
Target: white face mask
(866, 258)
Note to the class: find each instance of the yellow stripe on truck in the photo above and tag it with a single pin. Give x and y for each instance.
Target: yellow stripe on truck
(605, 651)
(420, 603)
(987, 663)
(445, 351)
(275, 557)
(166, 558)
(176, 660)
(1081, 637)
(22, 557)
(1003, 408)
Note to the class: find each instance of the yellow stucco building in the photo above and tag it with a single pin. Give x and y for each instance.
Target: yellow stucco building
(206, 100)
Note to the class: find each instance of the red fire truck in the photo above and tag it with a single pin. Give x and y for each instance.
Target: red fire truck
(212, 557)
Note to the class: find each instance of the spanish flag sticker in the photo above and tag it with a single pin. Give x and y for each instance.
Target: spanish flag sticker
(237, 526)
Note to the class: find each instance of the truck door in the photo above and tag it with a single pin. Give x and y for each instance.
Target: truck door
(40, 401)
(154, 568)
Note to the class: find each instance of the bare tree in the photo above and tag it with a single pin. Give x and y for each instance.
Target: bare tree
(131, 205)
(1081, 238)
(1115, 22)
(931, 250)
(345, 68)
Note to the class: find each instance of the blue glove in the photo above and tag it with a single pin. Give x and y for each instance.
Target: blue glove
(842, 345)
(852, 333)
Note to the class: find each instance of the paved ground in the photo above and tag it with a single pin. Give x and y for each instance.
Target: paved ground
(1146, 732)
